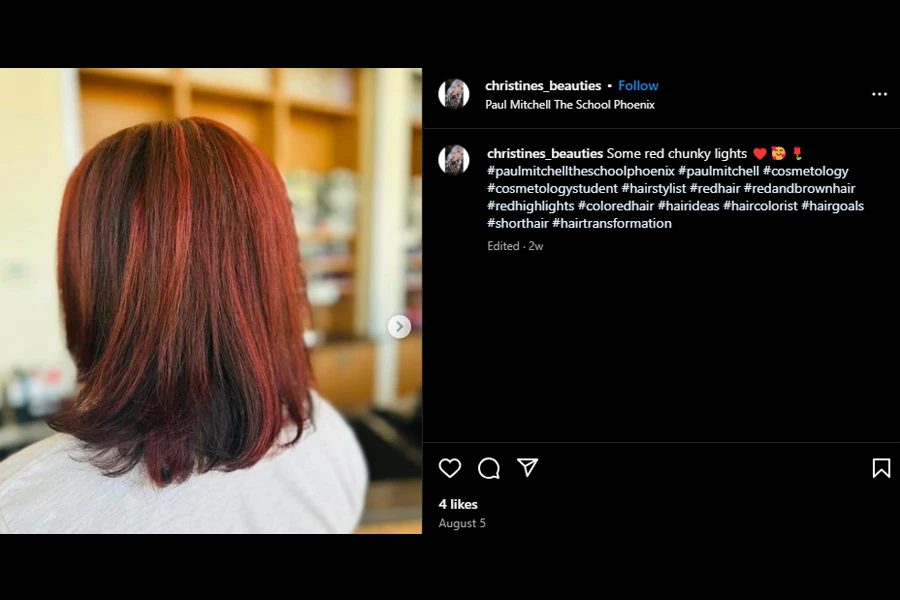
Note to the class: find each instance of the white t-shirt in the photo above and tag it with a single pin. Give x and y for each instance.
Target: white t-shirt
(316, 486)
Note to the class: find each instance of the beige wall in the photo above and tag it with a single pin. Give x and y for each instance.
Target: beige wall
(33, 172)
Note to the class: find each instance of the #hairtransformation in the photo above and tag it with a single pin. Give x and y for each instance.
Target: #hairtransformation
(184, 302)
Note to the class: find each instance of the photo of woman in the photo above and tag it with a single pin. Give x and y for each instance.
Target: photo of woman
(454, 94)
(455, 159)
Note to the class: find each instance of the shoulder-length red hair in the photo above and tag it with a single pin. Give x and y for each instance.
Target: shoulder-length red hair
(184, 302)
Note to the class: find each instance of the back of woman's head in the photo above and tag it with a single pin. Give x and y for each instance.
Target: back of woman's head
(184, 302)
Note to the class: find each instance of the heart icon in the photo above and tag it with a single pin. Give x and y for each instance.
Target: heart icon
(447, 469)
(759, 153)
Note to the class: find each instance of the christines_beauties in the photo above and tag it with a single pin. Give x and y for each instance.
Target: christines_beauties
(517, 86)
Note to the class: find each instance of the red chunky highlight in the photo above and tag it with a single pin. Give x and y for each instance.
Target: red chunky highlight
(184, 302)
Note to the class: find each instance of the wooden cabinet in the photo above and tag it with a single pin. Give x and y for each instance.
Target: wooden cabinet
(345, 373)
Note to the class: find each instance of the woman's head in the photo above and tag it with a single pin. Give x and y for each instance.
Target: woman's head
(184, 301)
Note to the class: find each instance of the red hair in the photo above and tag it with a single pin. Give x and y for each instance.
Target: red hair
(184, 302)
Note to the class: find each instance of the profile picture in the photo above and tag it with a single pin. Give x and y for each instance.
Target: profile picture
(454, 159)
(454, 94)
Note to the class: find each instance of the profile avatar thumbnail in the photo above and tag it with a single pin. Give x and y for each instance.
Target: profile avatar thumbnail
(453, 159)
(454, 94)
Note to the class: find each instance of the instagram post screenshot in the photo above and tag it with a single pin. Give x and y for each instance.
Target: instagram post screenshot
(659, 304)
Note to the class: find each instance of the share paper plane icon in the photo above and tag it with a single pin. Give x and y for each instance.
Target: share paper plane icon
(527, 464)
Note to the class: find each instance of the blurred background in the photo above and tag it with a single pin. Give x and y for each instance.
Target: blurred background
(349, 144)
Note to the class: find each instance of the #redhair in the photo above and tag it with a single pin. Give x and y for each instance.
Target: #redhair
(184, 302)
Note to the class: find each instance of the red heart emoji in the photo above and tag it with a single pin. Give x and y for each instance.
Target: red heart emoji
(759, 153)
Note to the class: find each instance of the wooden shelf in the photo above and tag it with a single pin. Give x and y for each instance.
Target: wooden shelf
(324, 107)
(330, 264)
(325, 92)
(325, 237)
(318, 142)
(347, 288)
(133, 76)
(416, 151)
(251, 119)
(232, 92)
(111, 104)
(416, 124)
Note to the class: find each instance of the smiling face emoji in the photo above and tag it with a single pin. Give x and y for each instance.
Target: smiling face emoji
(777, 152)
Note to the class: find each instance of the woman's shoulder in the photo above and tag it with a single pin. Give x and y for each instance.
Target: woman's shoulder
(328, 430)
(40, 479)
(46, 456)
(328, 451)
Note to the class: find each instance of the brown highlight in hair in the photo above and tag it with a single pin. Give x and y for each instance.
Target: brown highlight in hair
(184, 302)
